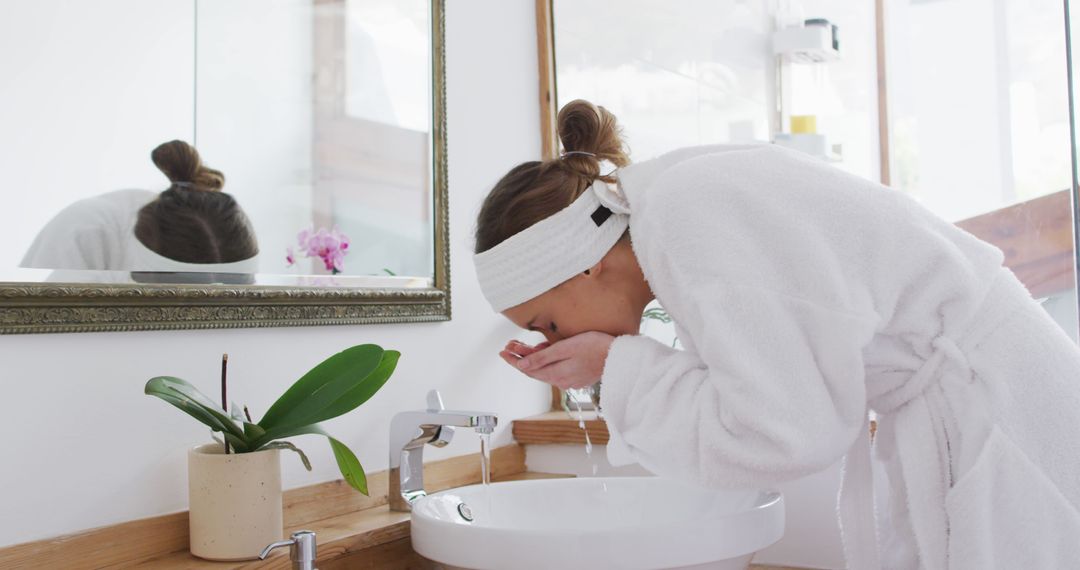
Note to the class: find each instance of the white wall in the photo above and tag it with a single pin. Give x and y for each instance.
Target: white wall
(84, 447)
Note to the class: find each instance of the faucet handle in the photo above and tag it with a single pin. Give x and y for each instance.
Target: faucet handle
(434, 401)
(446, 433)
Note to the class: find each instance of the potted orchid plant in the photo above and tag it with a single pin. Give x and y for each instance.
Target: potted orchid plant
(234, 485)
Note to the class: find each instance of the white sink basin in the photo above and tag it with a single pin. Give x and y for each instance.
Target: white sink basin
(629, 523)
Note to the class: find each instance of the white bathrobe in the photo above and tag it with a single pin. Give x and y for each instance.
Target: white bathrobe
(806, 297)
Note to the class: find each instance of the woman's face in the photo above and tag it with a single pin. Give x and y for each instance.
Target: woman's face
(609, 298)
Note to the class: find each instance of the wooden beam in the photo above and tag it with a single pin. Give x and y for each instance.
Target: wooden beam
(545, 55)
(1037, 239)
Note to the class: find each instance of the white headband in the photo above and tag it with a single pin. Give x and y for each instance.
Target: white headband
(551, 251)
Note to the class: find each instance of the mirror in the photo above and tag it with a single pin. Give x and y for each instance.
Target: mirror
(236, 152)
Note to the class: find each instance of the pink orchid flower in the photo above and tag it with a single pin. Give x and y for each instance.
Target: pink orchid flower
(329, 246)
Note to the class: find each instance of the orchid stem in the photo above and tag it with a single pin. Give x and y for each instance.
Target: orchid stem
(224, 395)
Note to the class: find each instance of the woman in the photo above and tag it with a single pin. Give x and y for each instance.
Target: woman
(805, 299)
(192, 226)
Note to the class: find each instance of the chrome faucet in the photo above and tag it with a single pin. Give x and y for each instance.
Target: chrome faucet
(411, 431)
(301, 550)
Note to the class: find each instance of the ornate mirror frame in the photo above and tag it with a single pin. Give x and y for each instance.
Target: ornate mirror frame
(72, 307)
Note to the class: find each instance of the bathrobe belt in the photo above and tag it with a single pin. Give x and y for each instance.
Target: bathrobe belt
(922, 445)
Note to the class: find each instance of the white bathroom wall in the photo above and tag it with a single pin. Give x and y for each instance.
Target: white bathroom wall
(85, 447)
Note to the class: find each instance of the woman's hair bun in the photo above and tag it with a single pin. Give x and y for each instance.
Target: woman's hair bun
(180, 162)
(585, 127)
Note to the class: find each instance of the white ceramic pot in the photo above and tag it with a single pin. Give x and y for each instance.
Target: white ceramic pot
(234, 501)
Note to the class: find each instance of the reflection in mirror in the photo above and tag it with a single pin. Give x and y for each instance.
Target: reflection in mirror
(191, 226)
(312, 120)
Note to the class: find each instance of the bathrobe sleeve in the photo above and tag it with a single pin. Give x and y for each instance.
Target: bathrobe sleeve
(91, 233)
(60, 245)
(771, 385)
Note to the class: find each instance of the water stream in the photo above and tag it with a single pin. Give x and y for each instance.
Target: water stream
(485, 471)
(576, 398)
(485, 458)
(576, 395)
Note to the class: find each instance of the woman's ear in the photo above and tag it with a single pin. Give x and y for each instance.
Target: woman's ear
(595, 269)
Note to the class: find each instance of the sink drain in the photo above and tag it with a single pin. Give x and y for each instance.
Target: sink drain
(465, 512)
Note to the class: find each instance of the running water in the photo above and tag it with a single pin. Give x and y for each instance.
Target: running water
(576, 395)
(485, 471)
(485, 458)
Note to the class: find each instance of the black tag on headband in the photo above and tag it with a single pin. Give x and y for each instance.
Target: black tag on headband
(600, 215)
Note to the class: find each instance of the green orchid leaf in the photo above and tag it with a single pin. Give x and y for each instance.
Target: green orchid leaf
(239, 445)
(236, 445)
(345, 377)
(349, 465)
(193, 402)
(363, 391)
(286, 445)
(252, 431)
(279, 433)
(209, 417)
(192, 410)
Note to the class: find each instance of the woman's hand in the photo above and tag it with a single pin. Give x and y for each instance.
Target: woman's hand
(575, 362)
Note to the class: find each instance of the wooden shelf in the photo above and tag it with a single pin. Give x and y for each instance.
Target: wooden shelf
(346, 522)
(560, 428)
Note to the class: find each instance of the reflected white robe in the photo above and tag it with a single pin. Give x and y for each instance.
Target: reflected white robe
(94, 233)
(806, 297)
(98, 233)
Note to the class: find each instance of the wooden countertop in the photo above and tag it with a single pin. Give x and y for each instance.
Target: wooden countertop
(353, 531)
(347, 523)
